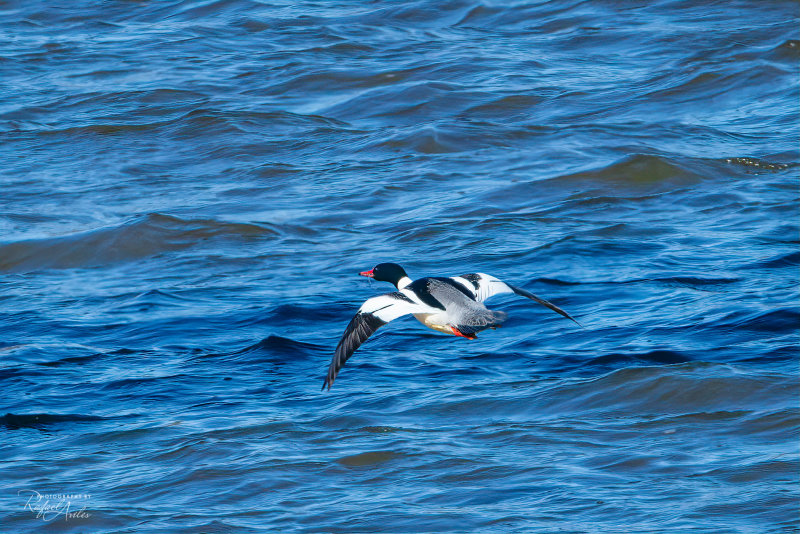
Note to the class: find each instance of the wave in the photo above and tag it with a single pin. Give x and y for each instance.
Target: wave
(140, 238)
(270, 349)
(280, 346)
(640, 171)
(654, 356)
(22, 358)
(675, 389)
(792, 259)
(632, 178)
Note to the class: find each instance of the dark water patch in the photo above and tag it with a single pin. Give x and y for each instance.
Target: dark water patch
(20, 373)
(276, 170)
(555, 282)
(617, 231)
(791, 259)
(75, 360)
(41, 421)
(769, 471)
(382, 429)
(145, 382)
(366, 459)
(786, 354)
(45, 354)
(695, 282)
(787, 50)
(90, 131)
(759, 164)
(509, 106)
(642, 172)
(346, 49)
(711, 84)
(493, 357)
(344, 418)
(772, 424)
(123, 351)
(427, 141)
(617, 247)
(666, 357)
(731, 416)
(775, 321)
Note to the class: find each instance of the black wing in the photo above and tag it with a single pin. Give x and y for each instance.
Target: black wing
(360, 328)
(373, 314)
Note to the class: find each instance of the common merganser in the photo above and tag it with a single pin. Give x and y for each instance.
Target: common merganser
(450, 305)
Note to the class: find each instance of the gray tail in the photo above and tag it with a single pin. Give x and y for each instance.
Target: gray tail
(498, 318)
(488, 319)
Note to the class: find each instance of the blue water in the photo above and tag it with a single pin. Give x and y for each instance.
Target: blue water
(189, 189)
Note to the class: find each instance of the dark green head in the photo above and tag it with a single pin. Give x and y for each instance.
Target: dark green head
(386, 272)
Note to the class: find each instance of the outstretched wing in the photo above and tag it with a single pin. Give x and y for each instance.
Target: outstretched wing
(484, 286)
(373, 314)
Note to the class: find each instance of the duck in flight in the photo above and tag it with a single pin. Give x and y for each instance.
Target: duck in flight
(450, 305)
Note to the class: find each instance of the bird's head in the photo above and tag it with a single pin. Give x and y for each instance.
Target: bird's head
(386, 272)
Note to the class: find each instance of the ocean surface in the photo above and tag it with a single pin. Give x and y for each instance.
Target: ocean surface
(188, 191)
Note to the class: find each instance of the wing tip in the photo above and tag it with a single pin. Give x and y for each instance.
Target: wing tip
(331, 376)
(575, 321)
(543, 302)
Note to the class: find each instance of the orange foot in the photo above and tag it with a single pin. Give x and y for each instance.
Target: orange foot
(459, 333)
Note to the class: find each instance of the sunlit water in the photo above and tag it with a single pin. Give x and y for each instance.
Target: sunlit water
(189, 189)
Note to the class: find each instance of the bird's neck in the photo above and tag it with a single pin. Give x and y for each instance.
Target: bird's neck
(403, 282)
